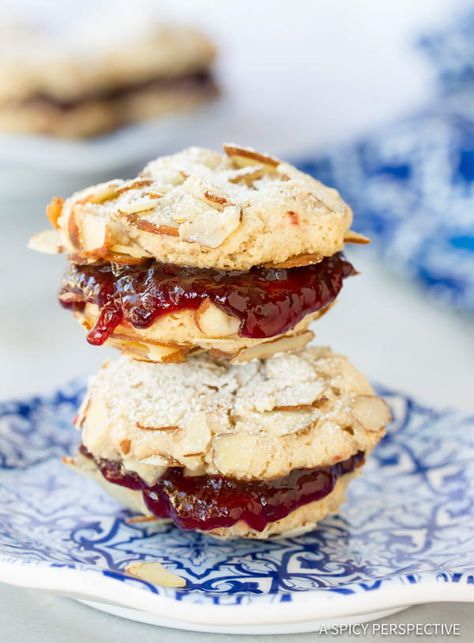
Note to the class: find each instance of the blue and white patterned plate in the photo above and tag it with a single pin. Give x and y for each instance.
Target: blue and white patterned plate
(404, 536)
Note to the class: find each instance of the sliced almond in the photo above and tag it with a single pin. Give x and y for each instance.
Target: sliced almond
(144, 204)
(95, 427)
(160, 459)
(54, 210)
(73, 231)
(95, 235)
(234, 453)
(148, 226)
(296, 261)
(296, 407)
(126, 333)
(47, 242)
(215, 198)
(355, 237)
(214, 322)
(101, 194)
(131, 251)
(247, 174)
(157, 428)
(171, 231)
(136, 520)
(243, 156)
(121, 258)
(211, 228)
(135, 336)
(197, 434)
(219, 354)
(82, 413)
(129, 346)
(372, 412)
(279, 423)
(82, 464)
(266, 349)
(135, 185)
(171, 356)
(155, 574)
(150, 353)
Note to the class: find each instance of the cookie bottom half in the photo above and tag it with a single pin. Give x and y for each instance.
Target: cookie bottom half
(161, 312)
(225, 507)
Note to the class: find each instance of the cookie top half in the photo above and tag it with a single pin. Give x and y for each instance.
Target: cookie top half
(202, 208)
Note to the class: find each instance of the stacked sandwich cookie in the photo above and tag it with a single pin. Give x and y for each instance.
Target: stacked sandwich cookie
(206, 272)
(57, 86)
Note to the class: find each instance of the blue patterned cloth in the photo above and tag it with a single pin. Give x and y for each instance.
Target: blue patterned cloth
(412, 184)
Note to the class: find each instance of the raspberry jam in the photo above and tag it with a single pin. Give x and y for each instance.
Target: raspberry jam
(267, 301)
(210, 502)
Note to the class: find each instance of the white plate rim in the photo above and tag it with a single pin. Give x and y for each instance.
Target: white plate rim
(88, 585)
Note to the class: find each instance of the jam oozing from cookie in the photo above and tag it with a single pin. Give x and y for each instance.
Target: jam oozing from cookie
(267, 301)
(212, 502)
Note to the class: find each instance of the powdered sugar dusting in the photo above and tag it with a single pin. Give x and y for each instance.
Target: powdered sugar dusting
(288, 411)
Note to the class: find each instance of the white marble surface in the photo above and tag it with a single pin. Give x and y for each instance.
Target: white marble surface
(300, 76)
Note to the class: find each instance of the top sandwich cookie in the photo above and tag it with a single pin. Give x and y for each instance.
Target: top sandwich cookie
(204, 209)
(233, 253)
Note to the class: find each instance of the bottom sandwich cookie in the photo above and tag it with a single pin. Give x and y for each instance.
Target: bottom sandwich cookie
(256, 450)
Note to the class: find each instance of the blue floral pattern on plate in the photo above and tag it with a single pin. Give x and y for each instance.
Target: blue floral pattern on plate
(410, 515)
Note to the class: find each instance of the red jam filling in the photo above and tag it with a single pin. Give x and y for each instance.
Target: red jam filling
(267, 301)
(210, 502)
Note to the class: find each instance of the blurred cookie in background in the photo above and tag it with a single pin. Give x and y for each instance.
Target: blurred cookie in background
(82, 75)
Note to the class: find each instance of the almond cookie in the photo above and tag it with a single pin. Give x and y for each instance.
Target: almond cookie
(204, 209)
(231, 253)
(50, 86)
(203, 443)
